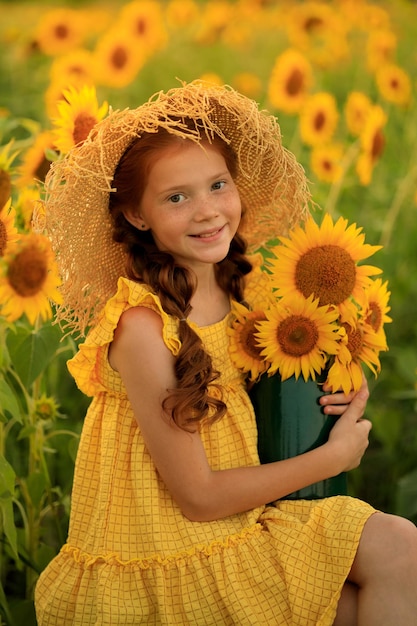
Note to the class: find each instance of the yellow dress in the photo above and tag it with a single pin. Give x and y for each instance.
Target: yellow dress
(132, 558)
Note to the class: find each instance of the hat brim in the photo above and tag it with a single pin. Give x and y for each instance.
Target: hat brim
(271, 182)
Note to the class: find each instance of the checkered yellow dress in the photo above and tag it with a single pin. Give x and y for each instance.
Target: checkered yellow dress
(132, 558)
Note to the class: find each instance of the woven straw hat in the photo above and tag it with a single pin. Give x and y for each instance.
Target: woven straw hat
(75, 212)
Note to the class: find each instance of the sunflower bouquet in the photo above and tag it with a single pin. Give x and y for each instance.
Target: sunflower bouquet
(320, 312)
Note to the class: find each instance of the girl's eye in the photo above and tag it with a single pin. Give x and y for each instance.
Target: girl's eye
(219, 184)
(177, 197)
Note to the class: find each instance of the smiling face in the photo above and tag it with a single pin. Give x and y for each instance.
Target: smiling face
(190, 203)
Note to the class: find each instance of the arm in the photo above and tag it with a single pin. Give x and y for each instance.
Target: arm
(146, 367)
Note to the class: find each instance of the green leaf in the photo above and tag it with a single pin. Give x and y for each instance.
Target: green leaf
(36, 484)
(7, 478)
(4, 605)
(31, 351)
(8, 402)
(7, 481)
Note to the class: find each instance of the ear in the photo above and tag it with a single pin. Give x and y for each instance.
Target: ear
(135, 219)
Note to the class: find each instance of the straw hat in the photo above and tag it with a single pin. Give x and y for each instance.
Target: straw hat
(75, 213)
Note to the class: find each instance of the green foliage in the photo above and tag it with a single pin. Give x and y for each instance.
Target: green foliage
(37, 451)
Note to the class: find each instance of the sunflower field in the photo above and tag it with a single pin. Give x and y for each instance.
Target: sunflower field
(341, 77)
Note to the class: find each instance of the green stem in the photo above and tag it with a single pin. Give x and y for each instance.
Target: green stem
(403, 189)
(349, 157)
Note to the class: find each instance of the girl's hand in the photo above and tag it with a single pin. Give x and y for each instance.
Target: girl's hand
(349, 436)
(337, 403)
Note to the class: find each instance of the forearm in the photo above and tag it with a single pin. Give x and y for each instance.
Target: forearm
(227, 492)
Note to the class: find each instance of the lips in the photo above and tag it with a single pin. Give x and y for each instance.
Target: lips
(207, 235)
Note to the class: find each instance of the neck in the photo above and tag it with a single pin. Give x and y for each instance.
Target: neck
(209, 303)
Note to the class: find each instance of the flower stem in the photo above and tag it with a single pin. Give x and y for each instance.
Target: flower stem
(407, 183)
(334, 193)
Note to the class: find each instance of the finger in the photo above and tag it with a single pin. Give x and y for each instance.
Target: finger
(335, 409)
(337, 398)
(356, 408)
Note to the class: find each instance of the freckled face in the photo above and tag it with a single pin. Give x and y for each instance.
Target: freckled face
(191, 204)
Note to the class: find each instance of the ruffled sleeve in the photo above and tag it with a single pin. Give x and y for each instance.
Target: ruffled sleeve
(90, 367)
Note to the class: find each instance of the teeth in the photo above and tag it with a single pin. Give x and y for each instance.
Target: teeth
(209, 234)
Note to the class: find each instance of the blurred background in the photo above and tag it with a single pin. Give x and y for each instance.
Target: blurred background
(340, 76)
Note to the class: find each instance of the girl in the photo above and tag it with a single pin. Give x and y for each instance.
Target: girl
(169, 521)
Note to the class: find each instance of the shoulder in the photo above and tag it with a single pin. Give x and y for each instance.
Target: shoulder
(138, 334)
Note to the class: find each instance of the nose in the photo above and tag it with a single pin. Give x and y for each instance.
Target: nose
(205, 208)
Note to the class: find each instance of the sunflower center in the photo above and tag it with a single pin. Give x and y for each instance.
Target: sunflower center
(5, 187)
(374, 317)
(248, 339)
(319, 120)
(378, 145)
(82, 125)
(76, 69)
(119, 58)
(3, 238)
(355, 342)
(295, 82)
(42, 169)
(328, 272)
(312, 24)
(141, 26)
(61, 31)
(297, 335)
(27, 272)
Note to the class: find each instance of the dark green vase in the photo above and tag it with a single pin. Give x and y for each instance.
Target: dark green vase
(290, 422)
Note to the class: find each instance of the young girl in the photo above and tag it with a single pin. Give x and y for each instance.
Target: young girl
(170, 522)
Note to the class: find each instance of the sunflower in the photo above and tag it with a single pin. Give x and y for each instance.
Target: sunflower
(374, 18)
(46, 408)
(394, 84)
(357, 108)
(214, 20)
(243, 349)
(361, 344)
(5, 186)
(297, 336)
(35, 163)
(143, 21)
(25, 205)
(8, 231)
(325, 161)
(318, 119)
(380, 49)
(238, 34)
(372, 144)
(375, 310)
(248, 84)
(74, 68)
(211, 78)
(6, 160)
(182, 14)
(60, 30)
(319, 31)
(118, 58)
(54, 93)
(290, 81)
(321, 261)
(29, 279)
(78, 114)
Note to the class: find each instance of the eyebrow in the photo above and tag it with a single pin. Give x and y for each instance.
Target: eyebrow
(180, 186)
